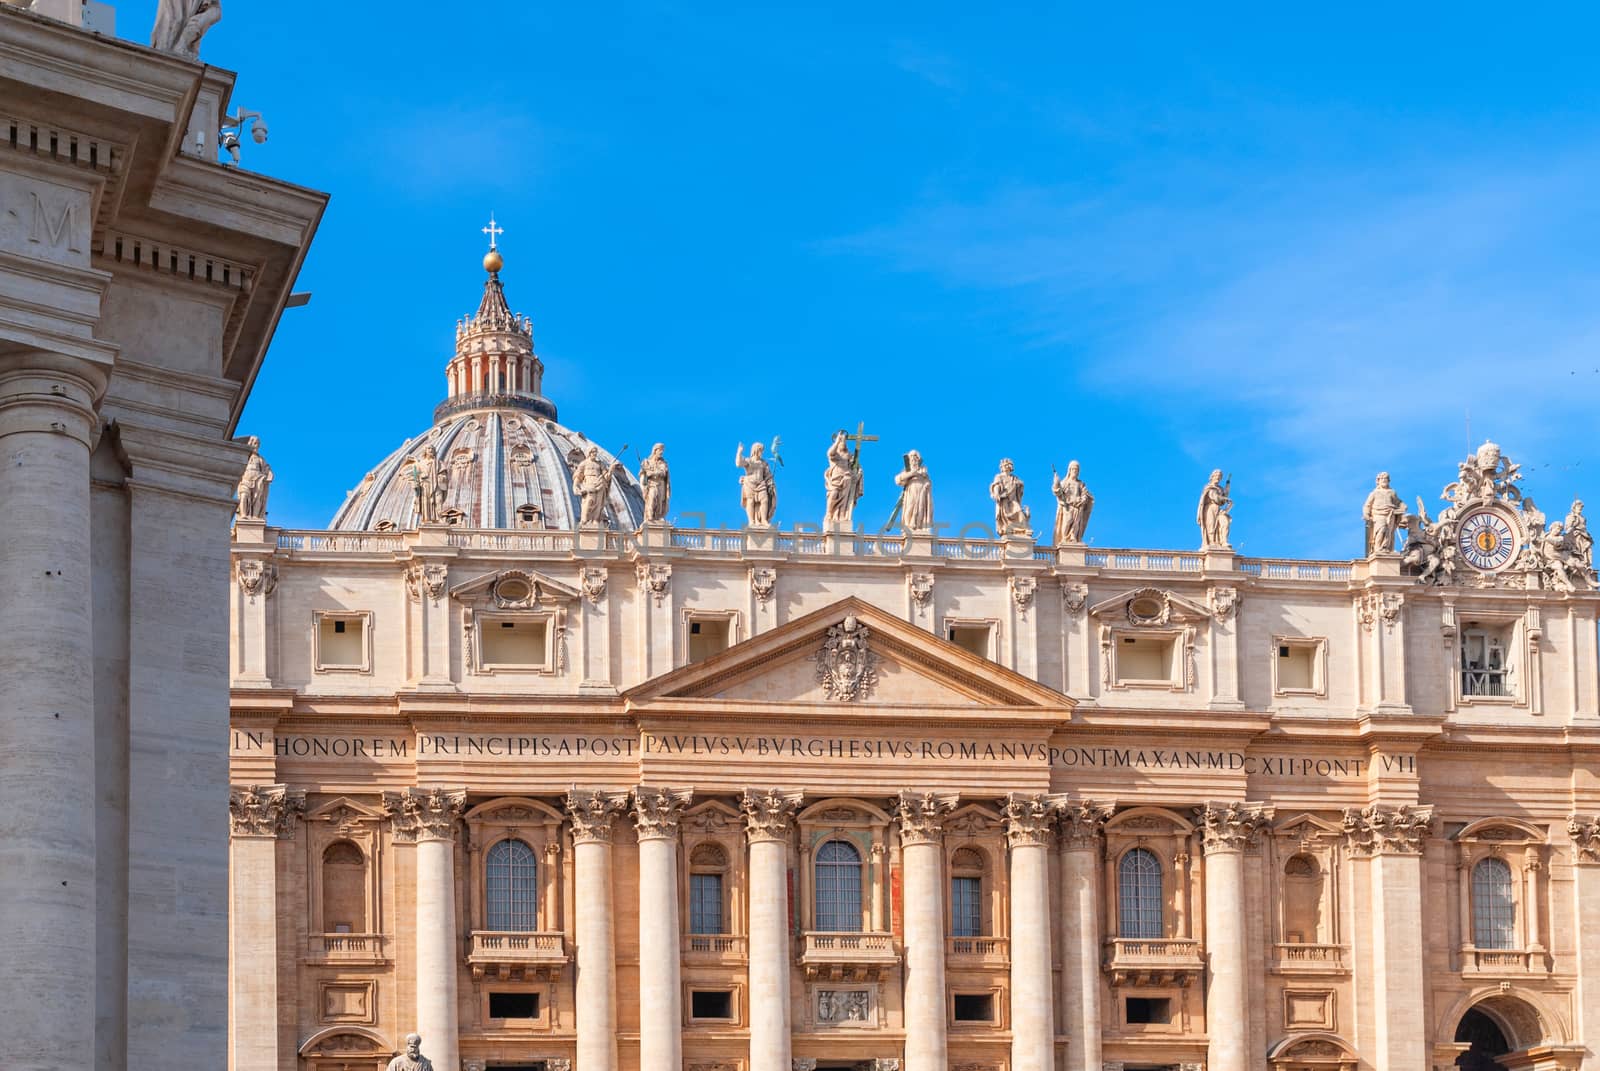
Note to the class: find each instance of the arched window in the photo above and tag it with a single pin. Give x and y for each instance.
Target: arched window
(1494, 913)
(344, 888)
(838, 900)
(1139, 908)
(511, 888)
(707, 865)
(966, 893)
(1302, 900)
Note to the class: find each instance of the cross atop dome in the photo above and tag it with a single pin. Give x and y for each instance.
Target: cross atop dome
(492, 260)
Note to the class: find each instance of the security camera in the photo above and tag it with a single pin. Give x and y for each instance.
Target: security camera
(258, 131)
(233, 125)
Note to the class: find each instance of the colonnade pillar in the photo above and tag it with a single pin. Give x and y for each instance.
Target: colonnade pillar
(656, 812)
(47, 858)
(769, 819)
(1393, 839)
(258, 816)
(1228, 829)
(1081, 824)
(1028, 825)
(427, 817)
(922, 856)
(1585, 831)
(595, 931)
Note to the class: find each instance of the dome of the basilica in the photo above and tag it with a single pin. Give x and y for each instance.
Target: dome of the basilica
(495, 456)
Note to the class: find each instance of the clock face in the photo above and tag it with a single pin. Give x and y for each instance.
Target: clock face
(1486, 540)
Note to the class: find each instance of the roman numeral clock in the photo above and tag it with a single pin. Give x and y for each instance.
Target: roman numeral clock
(1487, 539)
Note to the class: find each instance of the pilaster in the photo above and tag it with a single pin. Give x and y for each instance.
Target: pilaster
(1081, 826)
(259, 817)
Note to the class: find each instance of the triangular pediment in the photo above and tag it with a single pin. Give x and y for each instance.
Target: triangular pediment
(1149, 606)
(851, 654)
(514, 589)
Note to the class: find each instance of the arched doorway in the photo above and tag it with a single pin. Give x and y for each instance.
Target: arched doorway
(1506, 1029)
(1485, 1039)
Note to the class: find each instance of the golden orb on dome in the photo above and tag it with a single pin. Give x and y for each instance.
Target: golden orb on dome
(493, 261)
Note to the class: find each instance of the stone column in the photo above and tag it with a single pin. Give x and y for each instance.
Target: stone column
(592, 813)
(1033, 1031)
(769, 818)
(259, 815)
(922, 856)
(656, 812)
(1393, 839)
(1081, 823)
(1585, 831)
(427, 818)
(1229, 828)
(47, 769)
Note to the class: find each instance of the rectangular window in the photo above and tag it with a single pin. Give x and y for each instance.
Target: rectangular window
(513, 1005)
(708, 636)
(974, 1007)
(1296, 667)
(1148, 1010)
(966, 907)
(711, 1004)
(341, 641)
(1145, 659)
(973, 637)
(1485, 669)
(514, 644)
(705, 903)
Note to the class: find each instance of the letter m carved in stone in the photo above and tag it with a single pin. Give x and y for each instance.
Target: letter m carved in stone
(63, 228)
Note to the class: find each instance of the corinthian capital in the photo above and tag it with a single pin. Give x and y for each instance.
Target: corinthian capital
(922, 814)
(656, 811)
(424, 813)
(1231, 827)
(1028, 819)
(1378, 830)
(264, 810)
(1585, 833)
(768, 814)
(1081, 822)
(592, 812)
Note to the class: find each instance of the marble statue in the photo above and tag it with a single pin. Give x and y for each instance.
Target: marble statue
(1578, 536)
(253, 485)
(1215, 512)
(1382, 512)
(1011, 517)
(412, 1059)
(915, 508)
(181, 23)
(842, 481)
(758, 493)
(429, 485)
(657, 483)
(1074, 503)
(1483, 477)
(591, 482)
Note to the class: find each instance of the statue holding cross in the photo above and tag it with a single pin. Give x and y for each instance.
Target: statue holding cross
(842, 479)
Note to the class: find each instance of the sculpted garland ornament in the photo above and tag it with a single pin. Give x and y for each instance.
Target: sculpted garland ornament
(846, 668)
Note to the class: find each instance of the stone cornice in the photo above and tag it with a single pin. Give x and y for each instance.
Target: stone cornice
(1379, 830)
(265, 810)
(1585, 833)
(921, 815)
(1029, 819)
(1080, 823)
(656, 811)
(769, 814)
(592, 812)
(424, 813)
(1232, 826)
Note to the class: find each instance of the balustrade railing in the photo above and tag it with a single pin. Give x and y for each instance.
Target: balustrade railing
(978, 951)
(849, 944)
(346, 947)
(1297, 955)
(500, 946)
(713, 944)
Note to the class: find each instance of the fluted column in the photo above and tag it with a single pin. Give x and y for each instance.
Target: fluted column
(47, 718)
(1081, 823)
(1393, 839)
(592, 814)
(769, 818)
(427, 818)
(1229, 828)
(258, 816)
(922, 856)
(1033, 1031)
(656, 812)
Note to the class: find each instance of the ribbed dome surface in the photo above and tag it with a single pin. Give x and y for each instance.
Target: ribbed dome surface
(498, 461)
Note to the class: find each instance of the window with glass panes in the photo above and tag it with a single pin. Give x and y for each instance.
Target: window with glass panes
(511, 889)
(1494, 912)
(966, 907)
(705, 903)
(838, 897)
(1139, 895)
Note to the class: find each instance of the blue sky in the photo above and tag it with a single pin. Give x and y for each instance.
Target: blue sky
(1301, 245)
